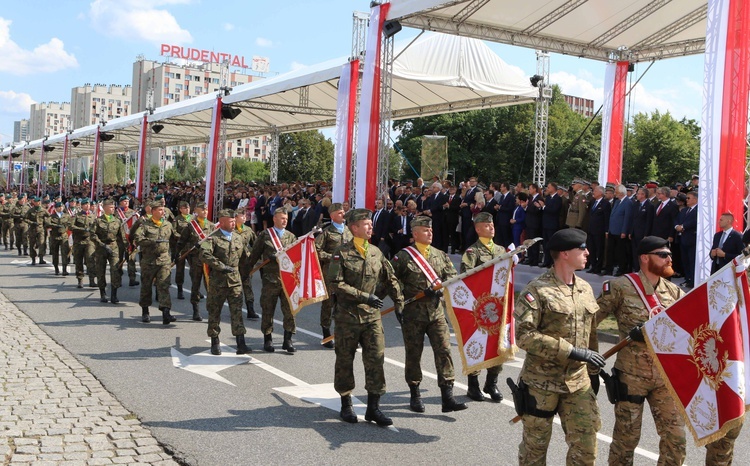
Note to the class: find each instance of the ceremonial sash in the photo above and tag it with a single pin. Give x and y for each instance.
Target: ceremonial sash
(275, 240)
(423, 265)
(51, 208)
(651, 301)
(197, 229)
(120, 214)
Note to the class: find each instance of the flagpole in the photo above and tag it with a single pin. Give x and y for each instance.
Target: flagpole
(184, 255)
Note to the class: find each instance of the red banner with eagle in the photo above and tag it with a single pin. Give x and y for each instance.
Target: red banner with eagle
(301, 274)
(700, 345)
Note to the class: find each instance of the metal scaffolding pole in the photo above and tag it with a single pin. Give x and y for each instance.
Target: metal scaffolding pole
(359, 40)
(541, 117)
(386, 91)
(221, 165)
(274, 155)
(162, 163)
(126, 177)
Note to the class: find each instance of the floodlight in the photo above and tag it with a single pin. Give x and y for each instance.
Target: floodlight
(76, 143)
(31, 151)
(157, 128)
(106, 136)
(391, 28)
(230, 113)
(536, 79)
(48, 148)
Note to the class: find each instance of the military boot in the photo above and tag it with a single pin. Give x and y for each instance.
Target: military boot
(145, 316)
(373, 412)
(347, 412)
(449, 403)
(251, 314)
(196, 313)
(166, 317)
(415, 402)
(134, 282)
(25, 251)
(19, 251)
(287, 344)
(103, 295)
(215, 346)
(92, 283)
(242, 347)
(57, 270)
(268, 343)
(42, 261)
(80, 283)
(474, 392)
(326, 334)
(180, 295)
(113, 293)
(490, 388)
(33, 261)
(65, 271)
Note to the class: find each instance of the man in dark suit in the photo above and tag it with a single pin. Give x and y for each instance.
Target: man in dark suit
(298, 224)
(688, 230)
(533, 223)
(381, 223)
(665, 217)
(452, 214)
(643, 219)
(400, 229)
(599, 213)
(467, 202)
(551, 208)
(260, 212)
(618, 247)
(506, 205)
(727, 243)
(437, 204)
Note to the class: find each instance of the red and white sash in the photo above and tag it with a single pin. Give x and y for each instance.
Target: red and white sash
(197, 229)
(651, 301)
(275, 240)
(120, 214)
(423, 265)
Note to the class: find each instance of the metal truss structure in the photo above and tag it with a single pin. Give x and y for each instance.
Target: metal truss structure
(359, 43)
(162, 162)
(221, 169)
(386, 115)
(541, 118)
(100, 172)
(274, 155)
(128, 157)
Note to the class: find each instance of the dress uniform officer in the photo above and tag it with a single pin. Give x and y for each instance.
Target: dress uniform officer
(248, 237)
(188, 239)
(20, 226)
(270, 241)
(484, 250)
(109, 239)
(635, 374)
(127, 213)
(333, 236)
(153, 238)
(554, 317)
(181, 221)
(427, 315)
(58, 223)
(356, 270)
(83, 249)
(35, 218)
(223, 252)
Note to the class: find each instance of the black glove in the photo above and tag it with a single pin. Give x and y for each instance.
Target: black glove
(430, 293)
(109, 250)
(227, 269)
(374, 301)
(636, 334)
(586, 355)
(400, 317)
(594, 382)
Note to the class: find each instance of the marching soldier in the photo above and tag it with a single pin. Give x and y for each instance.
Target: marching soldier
(188, 239)
(249, 237)
(126, 214)
(109, 239)
(153, 237)
(356, 271)
(145, 216)
(333, 236)
(83, 248)
(222, 252)
(270, 241)
(418, 268)
(633, 299)
(20, 227)
(6, 223)
(182, 221)
(484, 250)
(554, 318)
(35, 218)
(58, 223)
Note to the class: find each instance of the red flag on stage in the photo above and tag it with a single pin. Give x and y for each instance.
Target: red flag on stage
(301, 274)
(699, 345)
(480, 306)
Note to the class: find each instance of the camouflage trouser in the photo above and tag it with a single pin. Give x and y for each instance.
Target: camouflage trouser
(579, 416)
(196, 277)
(83, 252)
(115, 272)
(37, 245)
(270, 293)
(179, 273)
(161, 274)
(721, 452)
(669, 423)
(21, 231)
(247, 288)
(326, 307)
(131, 266)
(370, 336)
(439, 334)
(59, 247)
(215, 301)
(494, 370)
(6, 231)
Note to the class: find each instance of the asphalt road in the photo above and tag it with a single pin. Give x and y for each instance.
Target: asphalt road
(253, 411)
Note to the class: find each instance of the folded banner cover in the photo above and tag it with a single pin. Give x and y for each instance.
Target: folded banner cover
(480, 307)
(699, 345)
(301, 274)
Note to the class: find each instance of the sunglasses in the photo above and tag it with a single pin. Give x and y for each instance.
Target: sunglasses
(662, 254)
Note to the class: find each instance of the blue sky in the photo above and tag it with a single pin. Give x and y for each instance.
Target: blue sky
(46, 48)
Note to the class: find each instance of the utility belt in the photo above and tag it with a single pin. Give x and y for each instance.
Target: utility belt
(617, 390)
(524, 402)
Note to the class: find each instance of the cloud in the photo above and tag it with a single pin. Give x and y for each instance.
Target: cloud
(45, 58)
(15, 102)
(138, 20)
(296, 66)
(227, 26)
(578, 86)
(263, 42)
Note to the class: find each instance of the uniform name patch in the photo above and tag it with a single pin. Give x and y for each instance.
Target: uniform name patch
(529, 297)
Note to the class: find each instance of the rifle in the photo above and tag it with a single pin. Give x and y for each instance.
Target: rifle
(521, 249)
(127, 257)
(184, 255)
(314, 231)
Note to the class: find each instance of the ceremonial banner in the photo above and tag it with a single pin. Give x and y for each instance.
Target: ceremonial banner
(480, 307)
(613, 123)
(699, 345)
(346, 104)
(301, 274)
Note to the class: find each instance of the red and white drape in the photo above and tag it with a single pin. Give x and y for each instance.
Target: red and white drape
(95, 174)
(724, 122)
(613, 123)
(141, 168)
(212, 159)
(345, 110)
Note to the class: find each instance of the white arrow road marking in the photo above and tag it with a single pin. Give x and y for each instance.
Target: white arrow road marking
(208, 365)
(27, 262)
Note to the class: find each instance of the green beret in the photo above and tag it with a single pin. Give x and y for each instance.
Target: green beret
(651, 243)
(200, 205)
(22, 196)
(58, 204)
(85, 200)
(124, 198)
(108, 202)
(159, 197)
(336, 206)
(567, 239)
(483, 217)
(421, 221)
(2, 195)
(45, 201)
(226, 213)
(355, 215)
(36, 199)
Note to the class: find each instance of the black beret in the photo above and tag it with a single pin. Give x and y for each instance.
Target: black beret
(567, 239)
(651, 243)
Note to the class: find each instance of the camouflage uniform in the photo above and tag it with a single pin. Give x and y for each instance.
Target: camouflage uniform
(641, 375)
(721, 452)
(156, 263)
(181, 222)
(426, 316)
(188, 239)
(129, 238)
(6, 224)
(58, 240)
(35, 217)
(271, 282)
(248, 237)
(552, 319)
(20, 227)
(83, 249)
(578, 211)
(108, 232)
(353, 279)
(220, 252)
(326, 243)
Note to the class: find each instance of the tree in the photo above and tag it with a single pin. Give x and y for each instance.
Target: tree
(306, 155)
(247, 170)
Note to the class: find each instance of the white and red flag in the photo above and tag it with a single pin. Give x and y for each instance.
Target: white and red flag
(127, 222)
(480, 306)
(700, 345)
(301, 274)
